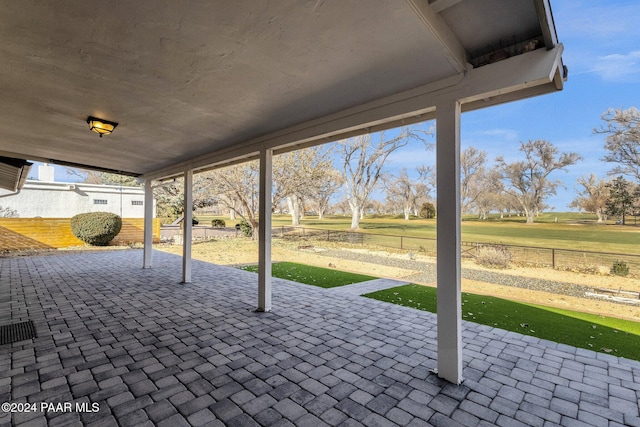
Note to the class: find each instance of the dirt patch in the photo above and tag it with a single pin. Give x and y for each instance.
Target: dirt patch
(586, 305)
(236, 252)
(245, 251)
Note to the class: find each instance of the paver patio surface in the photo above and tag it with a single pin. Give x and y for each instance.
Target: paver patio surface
(135, 347)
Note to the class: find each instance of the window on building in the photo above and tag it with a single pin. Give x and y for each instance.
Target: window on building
(99, 201)
(136, 202)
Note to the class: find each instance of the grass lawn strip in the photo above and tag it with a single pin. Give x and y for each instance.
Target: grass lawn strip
(602, 334)
(310, 275)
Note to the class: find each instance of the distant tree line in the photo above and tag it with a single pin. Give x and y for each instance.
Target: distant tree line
(620, 196)
(523, 186)
(520, 187)
(308, 180)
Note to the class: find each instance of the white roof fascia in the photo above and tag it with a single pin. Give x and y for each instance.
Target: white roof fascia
(520, 77)
(545, 15)
(79, 186)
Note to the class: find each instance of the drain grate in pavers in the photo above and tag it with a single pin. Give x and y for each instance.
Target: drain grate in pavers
(17, 332)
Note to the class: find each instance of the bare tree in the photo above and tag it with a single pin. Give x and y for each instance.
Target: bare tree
(400, 191)
(425, 184)
(377, 207)
(325, 189)
(622, 141)
(492, 196)
(592, 197)
(341, 207)
(301, 175)
(528, 180)
(407, 193)
(106, 178)
(472, 171)
(237, 188)
(362, 163)
(87, 176)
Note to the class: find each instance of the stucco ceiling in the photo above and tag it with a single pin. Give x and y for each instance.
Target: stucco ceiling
(186, 78)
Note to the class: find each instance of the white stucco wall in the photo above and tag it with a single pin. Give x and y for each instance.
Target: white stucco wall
(64, 200)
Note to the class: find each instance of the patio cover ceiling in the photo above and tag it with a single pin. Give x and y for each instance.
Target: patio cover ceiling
(217, 80)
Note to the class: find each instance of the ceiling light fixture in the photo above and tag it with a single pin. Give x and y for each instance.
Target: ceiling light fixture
(101, 126)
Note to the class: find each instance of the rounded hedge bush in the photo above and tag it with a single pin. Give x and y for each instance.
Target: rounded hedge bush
(96, 228)
(245, 228)
(427, 210)
(218, 223)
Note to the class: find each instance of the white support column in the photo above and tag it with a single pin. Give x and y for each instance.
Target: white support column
(187, 224)
(448, 241)
(264, 231)
(148, 224)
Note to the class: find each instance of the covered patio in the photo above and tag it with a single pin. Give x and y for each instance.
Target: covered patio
(202, 85)
(147, 350)
(206, 84)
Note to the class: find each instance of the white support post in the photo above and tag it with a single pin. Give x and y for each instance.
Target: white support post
(187, 224)
(264, 231)
(148, 224)
(448, 241)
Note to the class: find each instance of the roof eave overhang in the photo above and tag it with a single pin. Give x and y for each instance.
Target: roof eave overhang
(13, 173)
(546, 74)
(531, 74)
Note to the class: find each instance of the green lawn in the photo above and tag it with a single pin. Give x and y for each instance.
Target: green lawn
(603, 334)
(317, 276)
(572, 231)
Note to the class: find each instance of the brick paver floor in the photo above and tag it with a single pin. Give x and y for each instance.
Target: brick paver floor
(132, 347)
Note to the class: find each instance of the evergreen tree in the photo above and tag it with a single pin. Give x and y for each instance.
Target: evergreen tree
(621, 198)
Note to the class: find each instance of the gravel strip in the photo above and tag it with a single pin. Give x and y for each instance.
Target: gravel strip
(428, 274)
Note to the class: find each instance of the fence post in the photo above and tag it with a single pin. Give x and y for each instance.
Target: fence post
(553, 258)
(401, 243)
(328, 231)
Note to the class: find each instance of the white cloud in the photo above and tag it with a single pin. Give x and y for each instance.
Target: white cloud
(489, 139)
(596, 21)
(618, 67)
(591, 31)
(502, 134)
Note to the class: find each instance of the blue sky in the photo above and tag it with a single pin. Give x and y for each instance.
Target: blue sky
(602, 51)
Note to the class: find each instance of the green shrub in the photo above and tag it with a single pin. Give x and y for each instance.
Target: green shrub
(427, 211)
(167, 214)
(245, 228)
(218, 223)
(493, 256)
(195, 221)
(96, 228)
(620, 268)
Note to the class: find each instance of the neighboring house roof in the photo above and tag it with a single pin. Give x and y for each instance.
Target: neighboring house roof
(13, 173)
(32, 184)
(65, 199)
